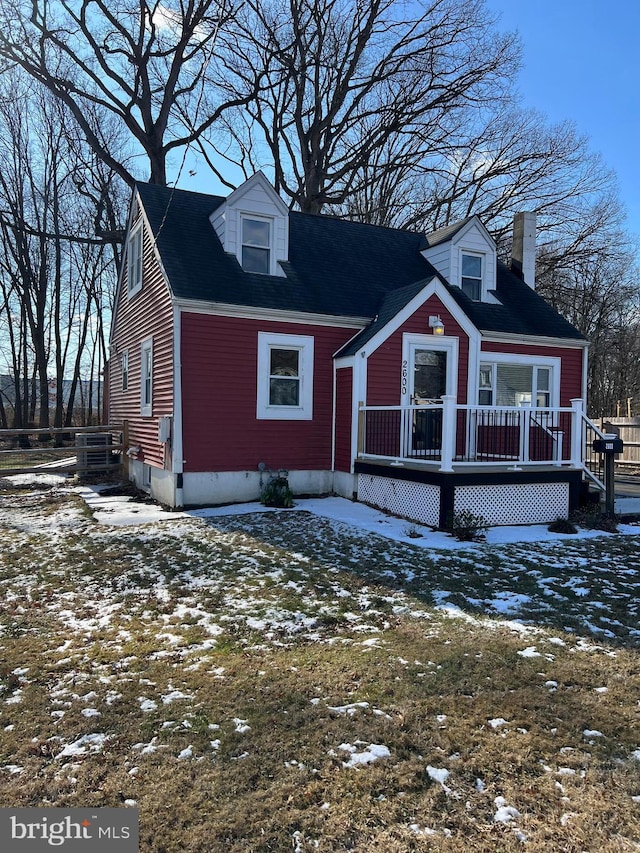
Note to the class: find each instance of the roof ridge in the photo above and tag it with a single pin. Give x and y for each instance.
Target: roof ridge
(355, 222)
(167, 189)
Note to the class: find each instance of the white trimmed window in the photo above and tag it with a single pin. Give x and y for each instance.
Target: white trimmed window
(146, 383)
(471, 279)
(285, 377)
(518, 383)
(124, 364)
(134, 261)
(256, 245)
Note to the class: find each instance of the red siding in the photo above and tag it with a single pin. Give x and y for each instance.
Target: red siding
(148, 314)
(221, 431)
(570, 369)
(344, 392)
(385, 364)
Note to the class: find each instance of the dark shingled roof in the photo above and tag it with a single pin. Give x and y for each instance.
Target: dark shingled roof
(445, 233)
(392, 303)
(335, 267)
(522, 311)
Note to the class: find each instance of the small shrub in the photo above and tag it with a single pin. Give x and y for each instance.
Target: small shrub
(466, 526)
(562, 525)
(592, 518)
(412, 532)
(608, 523)
(277, 493)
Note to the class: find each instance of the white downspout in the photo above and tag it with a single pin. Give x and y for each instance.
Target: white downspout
(177, 449)
(333, 423)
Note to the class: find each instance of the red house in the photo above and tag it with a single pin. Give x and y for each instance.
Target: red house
(416, 373)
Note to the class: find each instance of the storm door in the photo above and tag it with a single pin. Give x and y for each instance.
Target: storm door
(427, 385)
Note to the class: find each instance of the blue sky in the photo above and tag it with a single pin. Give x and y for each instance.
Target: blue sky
(582, 62)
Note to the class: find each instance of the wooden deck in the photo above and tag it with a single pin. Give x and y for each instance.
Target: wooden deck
(498, 484)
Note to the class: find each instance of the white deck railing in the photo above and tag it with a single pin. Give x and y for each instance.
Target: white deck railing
(443, 434)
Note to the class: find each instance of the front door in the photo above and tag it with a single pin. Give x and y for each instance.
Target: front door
(427, 385)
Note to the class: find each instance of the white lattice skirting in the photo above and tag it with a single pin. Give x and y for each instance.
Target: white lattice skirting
(500, 504)
(519, 503)
(418, 501)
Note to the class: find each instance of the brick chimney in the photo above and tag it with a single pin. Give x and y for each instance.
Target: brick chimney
(523, 252)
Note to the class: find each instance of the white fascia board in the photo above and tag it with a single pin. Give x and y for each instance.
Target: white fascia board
(346, 344)
(134, 198)
(530, 340)
(344, 361)
(457, 238)
(250, 312)
(146, 225)
(263, 182)
(432, 288)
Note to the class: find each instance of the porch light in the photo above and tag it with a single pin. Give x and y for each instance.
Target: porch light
(437, 325)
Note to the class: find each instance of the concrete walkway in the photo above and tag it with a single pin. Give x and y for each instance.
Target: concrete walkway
(627, 495)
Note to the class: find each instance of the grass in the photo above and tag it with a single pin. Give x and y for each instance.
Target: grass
(233, 674)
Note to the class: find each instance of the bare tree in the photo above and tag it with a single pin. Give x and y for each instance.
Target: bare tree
(144, 62)
(500, 160)
(51, 269)
(335, 80)
(589, 273)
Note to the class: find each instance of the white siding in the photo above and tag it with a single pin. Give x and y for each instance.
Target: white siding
(446, 256)
(472, 239)
(219, 221)
(440, 257)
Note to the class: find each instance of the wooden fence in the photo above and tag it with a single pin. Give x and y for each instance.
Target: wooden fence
(75, 450)
(628, 429)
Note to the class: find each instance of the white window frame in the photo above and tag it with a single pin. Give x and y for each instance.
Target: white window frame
(304, 344)
(124, 367)
(483, 268)
(135, 251)
(146, 358)
(552, 363)
(269, 248)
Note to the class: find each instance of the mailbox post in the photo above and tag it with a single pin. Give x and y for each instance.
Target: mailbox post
(609, 446)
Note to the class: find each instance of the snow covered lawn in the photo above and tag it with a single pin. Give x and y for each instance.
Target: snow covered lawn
(317, 680)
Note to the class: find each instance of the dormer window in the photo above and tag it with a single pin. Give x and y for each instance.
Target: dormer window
(253, 226)
(256, 245)
(471, 281)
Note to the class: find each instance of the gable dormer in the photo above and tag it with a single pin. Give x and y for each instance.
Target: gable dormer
(253, 225)
(465, 255)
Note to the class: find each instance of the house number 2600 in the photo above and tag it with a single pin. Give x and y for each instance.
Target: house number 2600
(405, 377)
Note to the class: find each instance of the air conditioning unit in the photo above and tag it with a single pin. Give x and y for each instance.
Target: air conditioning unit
(96, 458)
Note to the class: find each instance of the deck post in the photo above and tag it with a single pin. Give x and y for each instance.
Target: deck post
(448, 447)
(525, 431)
(576, 433)
(361, 428)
